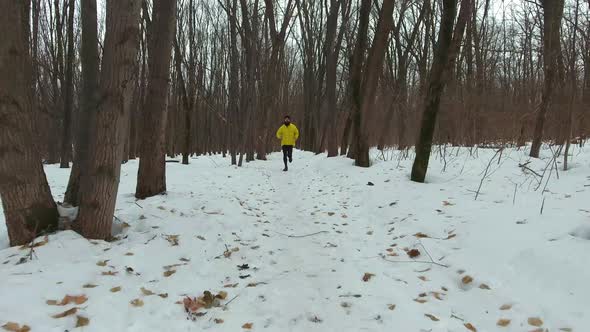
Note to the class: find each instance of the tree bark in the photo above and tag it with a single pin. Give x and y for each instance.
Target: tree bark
(99, 189)
(435, 89)
(29, 208)
(88, 99)
(66, 140)
(151, 177)
(552, 14)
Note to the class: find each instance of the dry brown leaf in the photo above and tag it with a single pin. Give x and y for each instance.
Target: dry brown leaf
(391, 307)
(506, 307)
(192, 304)
(566, 329)
(421, 235)
(110, 273)
(66, 313)
(450, 236)
(169, 273)
(230, 286)
(129, 254)
(467, 280)
(423, 278)
(146, 292)
(89, 286)
(540, 329)
(173, 239)
(438, 296)
(163, 295)
(15, 327)
(484, 286)
(36, 245)
(137, 303)
(102, 263)
(432, 317)
(414, 253)
(470, 327)
(221, 295)
(248, 326)
(503, 322)
(367, 276)
(82, 321)
(116, 289)
(69, 299)
(447, 203)
(420, 300)
(218, 321)
(535, 321)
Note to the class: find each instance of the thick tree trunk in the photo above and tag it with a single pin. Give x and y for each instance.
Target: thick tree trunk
(552, 14)
(435, 89)
(99, 189)
(370, 81)
(66, 140)
(151, 177)
(88, 99)
(29, 208)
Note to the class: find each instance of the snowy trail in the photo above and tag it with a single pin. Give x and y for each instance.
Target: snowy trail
(308, 237)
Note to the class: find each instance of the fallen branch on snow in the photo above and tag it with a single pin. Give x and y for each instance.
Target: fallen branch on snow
(300, 236)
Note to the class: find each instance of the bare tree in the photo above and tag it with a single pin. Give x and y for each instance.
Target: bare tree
(98, 191)
(442, 58)
(29, 208)
(151, 177)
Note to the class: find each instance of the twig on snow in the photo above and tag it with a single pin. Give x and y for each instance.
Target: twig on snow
(300, 236)
(419, 262)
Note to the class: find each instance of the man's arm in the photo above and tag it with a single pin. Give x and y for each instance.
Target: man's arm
(280, 132)
(296, 132)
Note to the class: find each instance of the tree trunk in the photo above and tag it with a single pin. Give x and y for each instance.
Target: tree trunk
(151, 177)
(66, 140)
(370, 81)
(552, 14)
(88, 99)
(99, 189)
(435, 89)
(29, 208)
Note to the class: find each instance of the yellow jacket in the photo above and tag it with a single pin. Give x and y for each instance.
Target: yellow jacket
(288, 134)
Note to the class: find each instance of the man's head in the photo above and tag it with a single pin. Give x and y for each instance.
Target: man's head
(287, 120)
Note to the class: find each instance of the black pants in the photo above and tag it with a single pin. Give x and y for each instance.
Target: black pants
(287, 153)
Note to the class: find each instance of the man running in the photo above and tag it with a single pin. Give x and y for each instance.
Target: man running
(288, 134)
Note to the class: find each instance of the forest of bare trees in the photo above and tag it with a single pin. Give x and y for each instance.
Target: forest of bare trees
(91, 84)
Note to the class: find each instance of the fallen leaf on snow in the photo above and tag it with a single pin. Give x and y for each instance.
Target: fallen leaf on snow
(221, 295)
(163, 295)
(535, 321)
(82, 321)
(414, 253)
(484, 286)
(503, 322)
(36, 245)
(102, 263)
(566, 329)
(248, 326)
(137, 303)
(110, 273)
(218, 321)
(169, 273)
(15, 327)
(115, 289)
(391, 307)
(173, 239)
(470, 327)
(467, 280)
(506, 307)
(230, 286)
(69, 299)
(146, 292)
(66, 313)
(420, 300)
(129, 254)
(89, 286)
(432, 317)
(423, 278)
(447, 203)
(367, 276)
(421, 235)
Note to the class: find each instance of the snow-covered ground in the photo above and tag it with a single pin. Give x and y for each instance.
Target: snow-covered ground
(320, 249)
